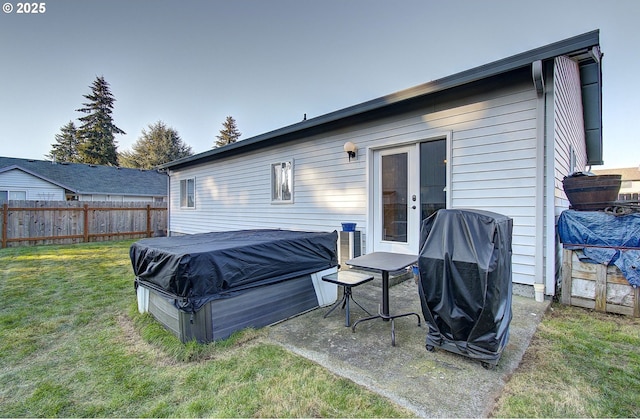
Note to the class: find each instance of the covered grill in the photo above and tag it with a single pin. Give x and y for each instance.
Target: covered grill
(465, 282)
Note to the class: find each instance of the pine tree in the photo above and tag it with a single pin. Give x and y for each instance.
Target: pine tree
(160, 144)
(65, 149)
(229, 134)
(97, 132)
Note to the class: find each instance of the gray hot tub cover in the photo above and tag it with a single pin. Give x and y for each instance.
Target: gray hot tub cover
(198, 268)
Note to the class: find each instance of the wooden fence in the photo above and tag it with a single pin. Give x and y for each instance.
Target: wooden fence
(28, 223)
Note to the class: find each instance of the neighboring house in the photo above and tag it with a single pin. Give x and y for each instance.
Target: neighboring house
(22, 179)
(630, 186)
(499, 137)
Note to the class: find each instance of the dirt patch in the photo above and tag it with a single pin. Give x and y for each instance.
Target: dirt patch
(135, 345)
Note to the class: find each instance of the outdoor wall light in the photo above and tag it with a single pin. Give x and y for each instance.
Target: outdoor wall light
(350, 148)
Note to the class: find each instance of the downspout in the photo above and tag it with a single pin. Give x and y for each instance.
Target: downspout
(538, 82)
(551, 256)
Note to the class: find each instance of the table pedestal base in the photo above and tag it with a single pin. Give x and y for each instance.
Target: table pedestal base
(385, 317)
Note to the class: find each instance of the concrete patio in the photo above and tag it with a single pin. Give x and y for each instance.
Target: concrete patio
(429, 384)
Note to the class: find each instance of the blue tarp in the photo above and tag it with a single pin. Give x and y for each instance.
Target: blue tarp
(604, 238)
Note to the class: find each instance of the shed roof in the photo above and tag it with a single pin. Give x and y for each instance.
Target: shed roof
(81, 178)
(575, 46)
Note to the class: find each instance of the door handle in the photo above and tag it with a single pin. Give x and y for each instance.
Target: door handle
(413, 207)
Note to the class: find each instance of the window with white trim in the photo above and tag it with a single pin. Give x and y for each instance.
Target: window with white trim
(282, 182)
(6, 195)
(188, 193)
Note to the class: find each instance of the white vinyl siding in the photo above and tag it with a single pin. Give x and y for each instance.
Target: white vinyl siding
(34, 187)
(238, 195)
(568, 132)
(492, 167)
(115, 198)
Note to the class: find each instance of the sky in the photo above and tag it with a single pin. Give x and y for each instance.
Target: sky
(267, 63)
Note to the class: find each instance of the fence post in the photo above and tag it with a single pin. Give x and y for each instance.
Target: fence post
(148, 220)
(5, 222)
(86, 223)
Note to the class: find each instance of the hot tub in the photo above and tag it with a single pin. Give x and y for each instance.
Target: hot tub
(207, 286)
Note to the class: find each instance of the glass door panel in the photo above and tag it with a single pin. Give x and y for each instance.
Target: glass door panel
(433, 177)
(394, 196)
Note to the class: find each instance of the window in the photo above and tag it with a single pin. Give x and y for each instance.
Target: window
(12, 196)
(282, 182)
(188, 193)
(17, 195)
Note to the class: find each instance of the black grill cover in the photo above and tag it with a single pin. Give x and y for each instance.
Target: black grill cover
(465, 281)
(199, 268)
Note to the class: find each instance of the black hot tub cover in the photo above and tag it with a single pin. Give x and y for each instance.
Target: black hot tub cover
(465, 281)
(202, 267)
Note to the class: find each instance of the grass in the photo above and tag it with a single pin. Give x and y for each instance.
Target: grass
(580, 364)
(72, 344)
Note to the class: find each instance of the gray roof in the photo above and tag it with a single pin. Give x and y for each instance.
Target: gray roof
(92, 179)
(580, 45)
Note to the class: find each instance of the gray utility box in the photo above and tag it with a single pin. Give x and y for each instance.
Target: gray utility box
(349, 246)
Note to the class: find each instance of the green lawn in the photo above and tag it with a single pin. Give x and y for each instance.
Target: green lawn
(580, 364)
(72, 344)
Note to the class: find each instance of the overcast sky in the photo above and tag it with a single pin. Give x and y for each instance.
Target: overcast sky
(268, 62)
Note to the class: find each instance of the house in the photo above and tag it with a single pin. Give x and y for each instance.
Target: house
(499, 137)
(630, 181)
(23, 179)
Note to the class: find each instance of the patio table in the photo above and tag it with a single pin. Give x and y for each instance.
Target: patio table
(384, 262)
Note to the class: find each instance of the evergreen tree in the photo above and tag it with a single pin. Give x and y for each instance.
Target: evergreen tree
(229, 134)
(65, 149)
(97, 132)
(159, 145)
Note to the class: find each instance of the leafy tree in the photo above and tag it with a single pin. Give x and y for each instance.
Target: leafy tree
(160, 144)
(229, 134)
(97, 132)
(65, 149)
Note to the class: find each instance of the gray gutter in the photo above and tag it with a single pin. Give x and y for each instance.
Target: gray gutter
(576, 44)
